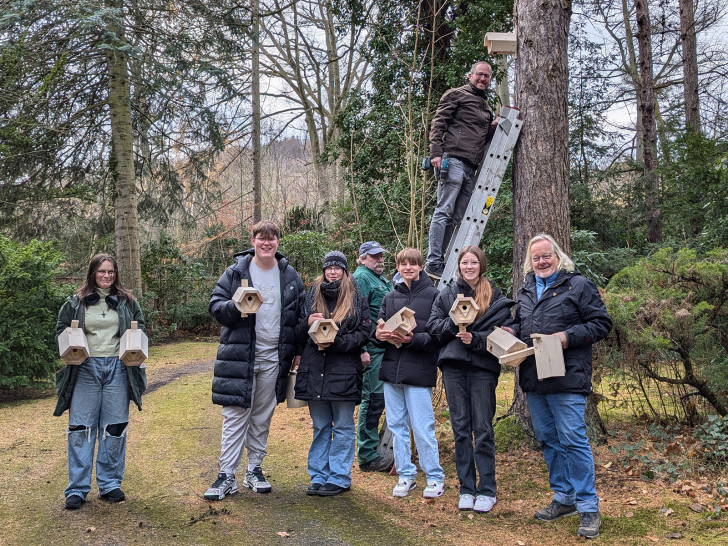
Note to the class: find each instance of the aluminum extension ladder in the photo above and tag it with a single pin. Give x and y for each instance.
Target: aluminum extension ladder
(489, 180)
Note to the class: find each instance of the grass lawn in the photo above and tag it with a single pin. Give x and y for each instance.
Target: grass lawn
(172, 458)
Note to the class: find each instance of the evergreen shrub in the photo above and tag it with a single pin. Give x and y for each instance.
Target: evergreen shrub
(29, 304)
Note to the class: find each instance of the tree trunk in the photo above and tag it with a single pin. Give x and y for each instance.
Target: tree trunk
(541, 159)
(255, 98)
(690, 65)
(501, 84)
(126, 223)
(649, 124)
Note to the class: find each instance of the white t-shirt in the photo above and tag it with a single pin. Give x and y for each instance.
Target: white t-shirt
(268, 318)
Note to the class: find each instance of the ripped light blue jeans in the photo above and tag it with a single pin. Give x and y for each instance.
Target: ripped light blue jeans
(100, 399)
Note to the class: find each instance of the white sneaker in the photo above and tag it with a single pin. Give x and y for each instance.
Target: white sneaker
(434, 489)
(484, 504)
(403, 487)
(466, 502)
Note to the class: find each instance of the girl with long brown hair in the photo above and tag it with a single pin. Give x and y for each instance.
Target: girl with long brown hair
(330, 374)
(470, 374)
(98, 391)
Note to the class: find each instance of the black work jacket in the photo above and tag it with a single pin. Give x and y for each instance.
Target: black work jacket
(334, 374)
(571, 305)
(414, 363)
(454, 352)
(232, 384)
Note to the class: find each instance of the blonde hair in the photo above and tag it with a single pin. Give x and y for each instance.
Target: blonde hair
(344, 303)
(483, 289)
(564, 261)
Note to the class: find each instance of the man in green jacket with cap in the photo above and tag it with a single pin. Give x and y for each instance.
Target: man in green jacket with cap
(373, 287)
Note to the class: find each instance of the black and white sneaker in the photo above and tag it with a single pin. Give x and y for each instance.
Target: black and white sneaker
(255, 481)
(224, 485)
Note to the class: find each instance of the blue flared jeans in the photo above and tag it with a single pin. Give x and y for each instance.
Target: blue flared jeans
(560, 426)
(332, 449)
(100, 399)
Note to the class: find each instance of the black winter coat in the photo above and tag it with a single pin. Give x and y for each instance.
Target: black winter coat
(416, 362)
(232, 384)
(454, 352)
(336, 373)
(571, 305)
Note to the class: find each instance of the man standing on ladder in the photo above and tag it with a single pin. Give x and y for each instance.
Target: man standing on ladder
(373, 286)
(462, 127)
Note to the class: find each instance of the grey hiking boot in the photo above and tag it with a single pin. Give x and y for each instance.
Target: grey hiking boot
(555, 510)
(591, 522)
(224, 485)
(255, 480)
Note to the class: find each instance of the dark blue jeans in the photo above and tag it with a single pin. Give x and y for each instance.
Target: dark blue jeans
(560, 427)
(471, 399)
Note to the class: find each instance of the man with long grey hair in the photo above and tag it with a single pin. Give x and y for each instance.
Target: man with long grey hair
(556, 299)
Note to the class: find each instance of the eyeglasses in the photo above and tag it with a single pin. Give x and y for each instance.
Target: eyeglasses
(266, 240)
(481, 75)
(545, 257)
(105, 273)
(469, 264)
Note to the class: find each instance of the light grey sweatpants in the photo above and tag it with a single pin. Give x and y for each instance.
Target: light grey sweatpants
(249, 427)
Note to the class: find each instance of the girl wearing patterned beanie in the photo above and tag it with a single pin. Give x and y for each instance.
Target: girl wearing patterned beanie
(330, 374)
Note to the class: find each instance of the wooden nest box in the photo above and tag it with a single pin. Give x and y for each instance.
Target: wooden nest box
(501, 43)
(512, 351)
(134, 346)
(72, 345)
(323, 331)
(464, 311)
(247, 299)
(403, 321)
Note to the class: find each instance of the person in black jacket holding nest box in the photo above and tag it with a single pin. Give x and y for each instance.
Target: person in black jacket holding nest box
(409, 371)
(330, 374)
(556, 299)
(255, 355)
(470, 374)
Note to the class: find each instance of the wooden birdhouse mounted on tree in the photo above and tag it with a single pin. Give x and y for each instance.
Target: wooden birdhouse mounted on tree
(72, 345)
(134, 346)
(403, 321)
(464, 311)
(323, 331)
(247, 299)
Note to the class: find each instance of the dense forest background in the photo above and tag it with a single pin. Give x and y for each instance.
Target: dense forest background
(159, 131)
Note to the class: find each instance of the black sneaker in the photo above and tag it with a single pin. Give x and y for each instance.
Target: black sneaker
(224, 485)
(555, 510)
(255, 480)
(74, 502)
(329, 490)
(377, 464)
(115, 495)
(313, 489)
(590, 524)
